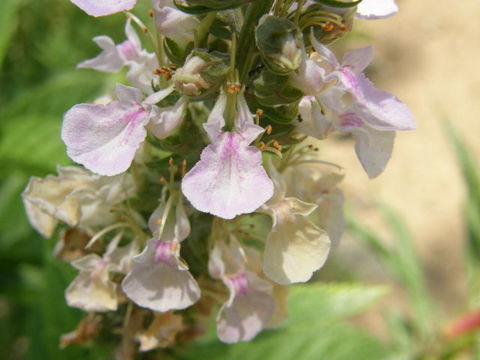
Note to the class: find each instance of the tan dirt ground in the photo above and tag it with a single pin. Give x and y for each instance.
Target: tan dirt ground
(429, 56)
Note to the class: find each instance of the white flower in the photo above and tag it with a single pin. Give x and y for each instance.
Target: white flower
(251, 303)
(76, 197)
(229, 179)
(160, 279)
(92, 289)
(295, 247)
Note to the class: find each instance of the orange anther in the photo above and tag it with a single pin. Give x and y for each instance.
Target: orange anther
(328, 27)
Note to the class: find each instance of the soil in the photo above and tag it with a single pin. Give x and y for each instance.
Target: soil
(427, 55)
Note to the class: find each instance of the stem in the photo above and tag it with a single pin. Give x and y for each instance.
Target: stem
(246, 45)
(202, 30)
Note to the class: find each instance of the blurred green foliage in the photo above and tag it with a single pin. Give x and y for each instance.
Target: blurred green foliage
(40, 44)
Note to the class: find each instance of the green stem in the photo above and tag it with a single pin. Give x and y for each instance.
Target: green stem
(299, 10)
(202, 30)
(246, 44)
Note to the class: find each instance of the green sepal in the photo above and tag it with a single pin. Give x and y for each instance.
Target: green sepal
(176, 53)
(338, 3)
(271, 89)
(214, 71)
(272, 36)
(281, 114)
(198, 7)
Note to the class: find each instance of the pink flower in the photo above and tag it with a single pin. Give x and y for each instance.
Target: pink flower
(105, 138)
(104, 7)
(251, 304)
(229, 179)
(128, 53)
(353, 105)
(159, 279)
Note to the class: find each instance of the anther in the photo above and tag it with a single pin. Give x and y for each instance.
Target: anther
(159, 221)
(268, 129)
(262, 146)
(163, 71)
(150, 13)
(259, 112)
(162, 180)
(276, 145)
(170, 161)
(328, 27)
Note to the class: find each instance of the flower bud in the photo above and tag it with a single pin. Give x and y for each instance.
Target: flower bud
(328, 23)
(203, 72)
(280, 44)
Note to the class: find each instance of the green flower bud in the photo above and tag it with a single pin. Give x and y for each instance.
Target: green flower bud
(271, 90)
(202, 73)
(328, 23)
(280, 43)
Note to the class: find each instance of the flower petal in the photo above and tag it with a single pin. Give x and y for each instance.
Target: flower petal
(174, 23)
(109, 60)
(376, 9)
(374, 149)
(229, 179)
(248, 313)
(358, 59)
(165, 121)
(104, 138)
(91, 295)
(381, 109)
(216, 121)
(158, 285)
(294, 250)
(104, 7)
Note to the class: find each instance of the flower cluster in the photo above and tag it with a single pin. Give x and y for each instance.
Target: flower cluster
(198, 187)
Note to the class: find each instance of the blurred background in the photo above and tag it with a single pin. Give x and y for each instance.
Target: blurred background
(408, 266)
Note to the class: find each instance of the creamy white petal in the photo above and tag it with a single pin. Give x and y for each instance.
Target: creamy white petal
(294, 251)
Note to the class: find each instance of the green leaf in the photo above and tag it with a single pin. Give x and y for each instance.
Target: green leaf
(313, 330)
(471, 177)
(8, 20)
(32, 143)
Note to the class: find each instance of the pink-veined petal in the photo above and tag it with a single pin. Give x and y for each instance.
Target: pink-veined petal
(248, 312)
(229, 179)
(104, 7)
(104, 138)
(160, 282)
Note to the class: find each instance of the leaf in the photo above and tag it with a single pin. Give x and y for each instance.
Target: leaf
(312, 332)
(8, 20)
